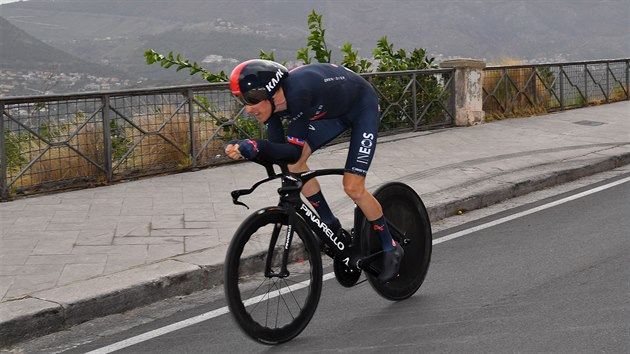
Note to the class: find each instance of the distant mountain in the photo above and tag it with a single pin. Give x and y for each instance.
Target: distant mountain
(29, 66)
(219, 33)
(20, 50)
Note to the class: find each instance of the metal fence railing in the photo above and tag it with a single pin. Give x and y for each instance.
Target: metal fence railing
(55, 142)
(518, 90)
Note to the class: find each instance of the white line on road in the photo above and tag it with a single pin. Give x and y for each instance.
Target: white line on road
(191, 321)
(221, 311)
(529, 211)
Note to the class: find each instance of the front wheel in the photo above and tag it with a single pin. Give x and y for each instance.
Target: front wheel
(268, 305)
(408, 219)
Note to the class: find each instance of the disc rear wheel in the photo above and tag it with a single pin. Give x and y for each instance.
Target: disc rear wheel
(410, 226)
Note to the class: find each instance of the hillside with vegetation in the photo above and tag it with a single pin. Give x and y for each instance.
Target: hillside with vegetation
(21, 50)
(219, 33)
(29, 66)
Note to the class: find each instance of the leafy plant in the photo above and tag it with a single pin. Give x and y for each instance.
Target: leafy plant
(316, 41)
(393, 89)
(194, 68)
(352, 61)
(398, 60)
(398, 95)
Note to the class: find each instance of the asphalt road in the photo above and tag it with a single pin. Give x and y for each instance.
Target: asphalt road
(555, 280)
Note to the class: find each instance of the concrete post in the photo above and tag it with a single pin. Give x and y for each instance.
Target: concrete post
(468, 90)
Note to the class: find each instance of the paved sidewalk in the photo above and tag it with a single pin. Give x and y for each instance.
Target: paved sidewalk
(69, 257)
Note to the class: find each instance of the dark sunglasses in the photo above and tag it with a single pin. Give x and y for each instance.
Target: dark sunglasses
(252, 97)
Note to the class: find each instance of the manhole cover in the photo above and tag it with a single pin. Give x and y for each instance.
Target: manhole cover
(590, 123)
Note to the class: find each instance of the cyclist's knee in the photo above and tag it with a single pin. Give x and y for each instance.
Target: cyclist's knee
(355, 193)
(297, 167)
(354, 188)
(300, 165)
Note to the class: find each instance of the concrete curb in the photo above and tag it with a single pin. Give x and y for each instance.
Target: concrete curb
(53, 310)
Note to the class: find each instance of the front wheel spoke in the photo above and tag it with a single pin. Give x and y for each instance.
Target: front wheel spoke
(259, 298)
(294, 299)
(252, 294)
(275, 285)
(283, 294)
(281, 297)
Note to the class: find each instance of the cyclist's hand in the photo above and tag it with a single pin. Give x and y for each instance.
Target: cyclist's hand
(231, 150)
(248, 148)
(238, 149)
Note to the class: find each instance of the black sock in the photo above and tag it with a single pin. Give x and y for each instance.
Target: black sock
(318, 202)
(380, 228)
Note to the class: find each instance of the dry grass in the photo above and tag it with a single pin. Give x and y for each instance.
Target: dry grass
(166, 146)
(60, 162)
(619, 94)
(520, 97)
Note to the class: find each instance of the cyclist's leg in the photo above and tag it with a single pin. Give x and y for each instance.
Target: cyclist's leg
(354, 185)
(365, 121)
(321, 132)
(313, 191)
(312, 186)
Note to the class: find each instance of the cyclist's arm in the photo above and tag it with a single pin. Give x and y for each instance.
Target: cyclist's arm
(278, 152)
(278, 149)
(275, 130)
(275, 148)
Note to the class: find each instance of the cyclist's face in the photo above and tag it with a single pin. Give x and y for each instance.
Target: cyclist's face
(261, 110)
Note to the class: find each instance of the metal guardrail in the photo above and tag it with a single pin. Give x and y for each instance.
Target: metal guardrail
(50, 143)
(519, 90)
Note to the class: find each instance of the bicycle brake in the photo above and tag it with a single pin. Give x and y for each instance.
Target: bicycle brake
(235, 195)
(240, 203)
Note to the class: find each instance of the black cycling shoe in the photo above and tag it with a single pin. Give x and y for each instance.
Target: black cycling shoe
(391, 264)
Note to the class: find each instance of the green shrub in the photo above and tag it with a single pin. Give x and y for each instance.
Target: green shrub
(392, 90)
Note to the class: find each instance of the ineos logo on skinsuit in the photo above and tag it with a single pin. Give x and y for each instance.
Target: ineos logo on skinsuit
(366, 148)
(274, 81)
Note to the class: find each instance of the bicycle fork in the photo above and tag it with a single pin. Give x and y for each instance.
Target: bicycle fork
(286, 249)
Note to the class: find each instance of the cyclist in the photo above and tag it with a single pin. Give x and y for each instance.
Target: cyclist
(319, 102)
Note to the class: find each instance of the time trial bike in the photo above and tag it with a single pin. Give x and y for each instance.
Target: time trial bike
(273, 268)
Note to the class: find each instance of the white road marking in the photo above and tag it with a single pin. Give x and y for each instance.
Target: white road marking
(528, 212)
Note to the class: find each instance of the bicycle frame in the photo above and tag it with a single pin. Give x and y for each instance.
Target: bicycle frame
(348, 248)
(289, 266)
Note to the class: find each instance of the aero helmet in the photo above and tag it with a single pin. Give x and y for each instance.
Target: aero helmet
(256, 80)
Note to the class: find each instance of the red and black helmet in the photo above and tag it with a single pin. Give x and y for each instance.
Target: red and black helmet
(256, 80)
